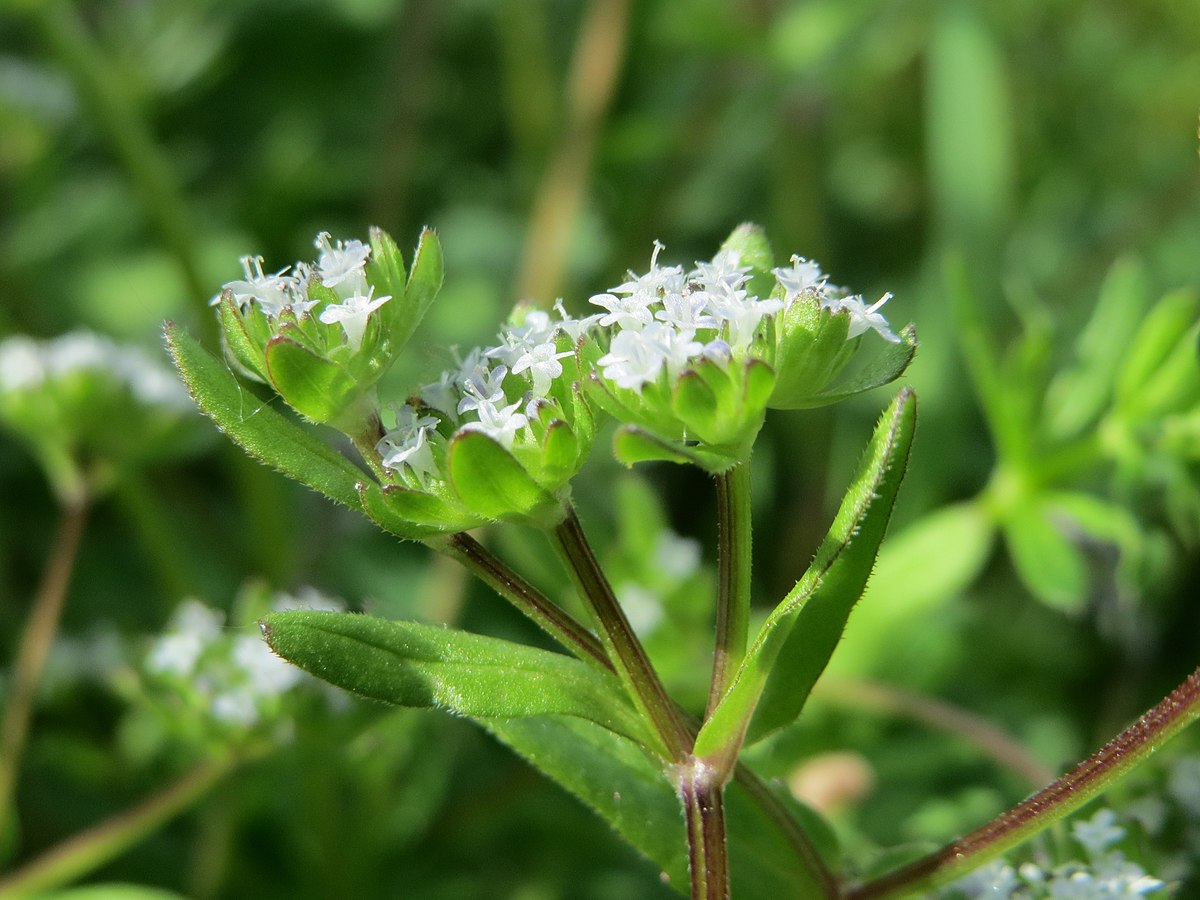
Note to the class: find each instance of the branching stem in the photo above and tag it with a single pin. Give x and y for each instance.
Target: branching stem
(35, 647)
(621, 645)
(733, 577)
(1178, 710)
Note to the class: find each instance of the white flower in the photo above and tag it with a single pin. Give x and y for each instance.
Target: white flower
(542, 363)
(676, 556)
(1099, 833)
(193, 627)
(266, 674)
(686, 311)
(307, 598)
(482, 386)
(499, 423)
(271, 292)
(442, 395)
(722, 274)
(630, 312)
(408, 444)
(636, 358)
(342, 267)
(235, 707)
(21, 363)
(863, 317)
(643, 608)
(742, 315)
(352, 315)
(569, 325)
(804, 275)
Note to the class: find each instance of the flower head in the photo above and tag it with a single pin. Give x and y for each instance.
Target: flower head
(352, 315)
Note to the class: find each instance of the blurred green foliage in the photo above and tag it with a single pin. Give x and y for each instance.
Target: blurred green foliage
(145, 146)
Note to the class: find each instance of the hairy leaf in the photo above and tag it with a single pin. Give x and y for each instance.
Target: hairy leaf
(429, 667)
(257, 428)
(795, 643)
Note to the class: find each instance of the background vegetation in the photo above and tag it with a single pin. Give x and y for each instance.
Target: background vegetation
(145, 146)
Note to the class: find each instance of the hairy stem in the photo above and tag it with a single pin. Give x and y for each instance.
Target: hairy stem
(1178, 710)
(733, 577)
(496, 574)
(34, 648)
(704, 811)
(621, 645)
(783, 818)
(90, 849)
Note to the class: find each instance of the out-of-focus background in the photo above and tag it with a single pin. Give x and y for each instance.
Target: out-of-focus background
(146, 146)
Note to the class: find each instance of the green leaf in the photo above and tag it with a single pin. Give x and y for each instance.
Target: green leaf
(630, 791)
(695, 404)
(1048, 562)
(385, 271)
(424, 282)
(812, 348)
(1079, 393)
(750, 243)
(884, 365)
(491, 483)
(969, 125)
(381, 508)
(115, 891)
(799, 636)
(258, 428)
(632, 444)
(560, 452)
(918, 571)
(246, 351)
(1155, 342)
(431, 667)
(318, 389)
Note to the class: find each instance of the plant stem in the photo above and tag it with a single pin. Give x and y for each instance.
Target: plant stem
(35, 646)
(1161, 723)
(621, 645)
(733, 577)
(496, 574)
(86, 851)
(779, 814)
(704, 811)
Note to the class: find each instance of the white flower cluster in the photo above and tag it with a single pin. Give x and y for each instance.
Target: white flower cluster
(1107, 874)
(26, 364)
(234, 674)
(341, 267)
(494, 390)
(669, 319)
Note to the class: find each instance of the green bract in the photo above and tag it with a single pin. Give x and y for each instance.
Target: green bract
(325, 334)
(690, 361)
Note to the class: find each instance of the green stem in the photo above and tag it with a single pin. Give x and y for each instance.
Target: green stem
(34, 648)
(825, 880)
(497, 575)
(733, 577)
(621, 645)
(1178, 710)
(704, 812)
(92, 848)
(493, 572)
(114, 112)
